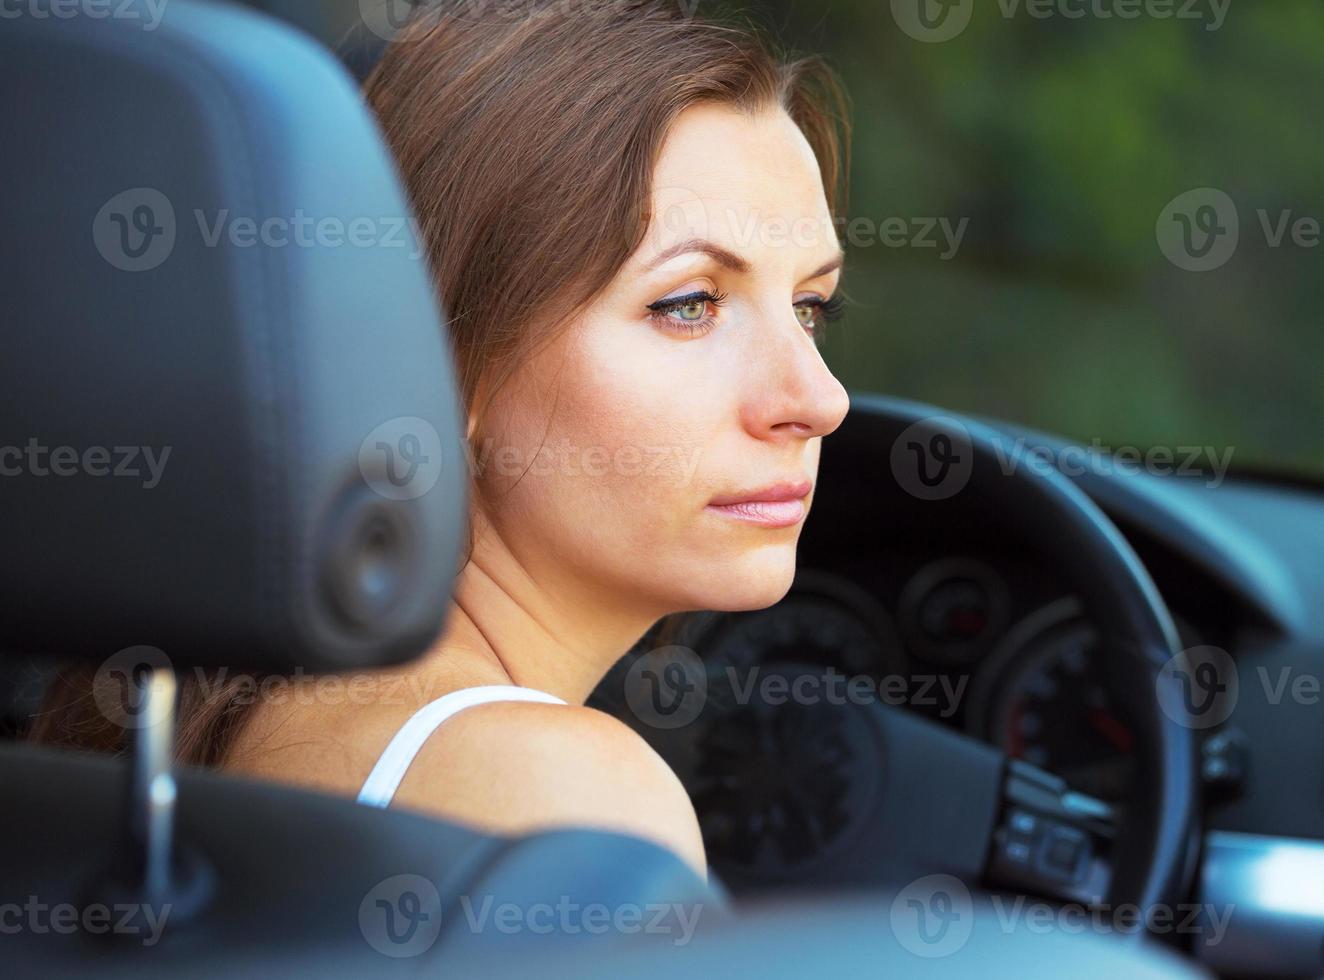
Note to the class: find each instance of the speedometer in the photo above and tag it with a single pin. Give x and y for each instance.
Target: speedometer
(1042, 697)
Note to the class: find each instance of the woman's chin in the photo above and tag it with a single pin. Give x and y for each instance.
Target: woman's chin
(757, 586)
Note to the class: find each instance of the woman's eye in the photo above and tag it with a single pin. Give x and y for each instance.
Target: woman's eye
(693, 310)
(693, 314)
(815, 314)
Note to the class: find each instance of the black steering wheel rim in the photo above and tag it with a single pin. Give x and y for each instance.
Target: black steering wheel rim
(1154, 850)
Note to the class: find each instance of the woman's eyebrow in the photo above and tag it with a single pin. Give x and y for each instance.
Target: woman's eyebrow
(729, 259)
(724, 256)
(833, 265)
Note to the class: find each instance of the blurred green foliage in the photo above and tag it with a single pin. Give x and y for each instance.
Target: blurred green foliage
(1062, 140)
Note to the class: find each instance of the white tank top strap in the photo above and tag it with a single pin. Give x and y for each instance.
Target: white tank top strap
(390, 769)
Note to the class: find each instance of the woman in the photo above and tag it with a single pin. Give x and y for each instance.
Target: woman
(630, 217)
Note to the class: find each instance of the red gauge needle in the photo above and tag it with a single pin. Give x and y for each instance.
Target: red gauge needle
(1111, 729)
(1016, 743)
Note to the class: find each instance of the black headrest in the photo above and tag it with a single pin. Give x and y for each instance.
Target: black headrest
(228, 420)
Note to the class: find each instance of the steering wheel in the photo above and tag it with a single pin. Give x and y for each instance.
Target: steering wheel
(948, 803)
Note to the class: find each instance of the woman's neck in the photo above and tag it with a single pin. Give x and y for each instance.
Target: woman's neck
(539, 627)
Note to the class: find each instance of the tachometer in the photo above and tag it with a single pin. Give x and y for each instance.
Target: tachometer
(780, 780)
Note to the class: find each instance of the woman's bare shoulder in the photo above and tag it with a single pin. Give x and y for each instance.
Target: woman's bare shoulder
(326, 733)
(518, 767)
(504, 766)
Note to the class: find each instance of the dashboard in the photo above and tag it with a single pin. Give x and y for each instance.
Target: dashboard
(963, 622)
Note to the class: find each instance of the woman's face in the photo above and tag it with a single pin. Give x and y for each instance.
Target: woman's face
(658, 403)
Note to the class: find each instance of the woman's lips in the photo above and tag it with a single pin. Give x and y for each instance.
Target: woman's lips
(780, 505)
(766, 513)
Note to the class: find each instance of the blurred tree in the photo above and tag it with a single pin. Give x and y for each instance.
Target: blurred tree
(1062, 140)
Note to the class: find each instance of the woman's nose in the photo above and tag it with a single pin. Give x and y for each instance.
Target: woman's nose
(790, 392)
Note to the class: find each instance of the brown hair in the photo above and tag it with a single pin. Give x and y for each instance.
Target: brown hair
(527, 134)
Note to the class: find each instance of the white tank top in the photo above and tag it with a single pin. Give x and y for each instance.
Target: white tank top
(390, 769)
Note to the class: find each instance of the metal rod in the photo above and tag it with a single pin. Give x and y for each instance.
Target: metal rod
(151, 796)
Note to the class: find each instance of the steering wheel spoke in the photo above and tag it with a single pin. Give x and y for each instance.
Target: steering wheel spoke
(1050, 839)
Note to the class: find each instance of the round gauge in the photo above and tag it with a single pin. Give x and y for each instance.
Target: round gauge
(1042, 697)
(951, 609)
(1046, 702)
(781, 784)
(823, 620)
